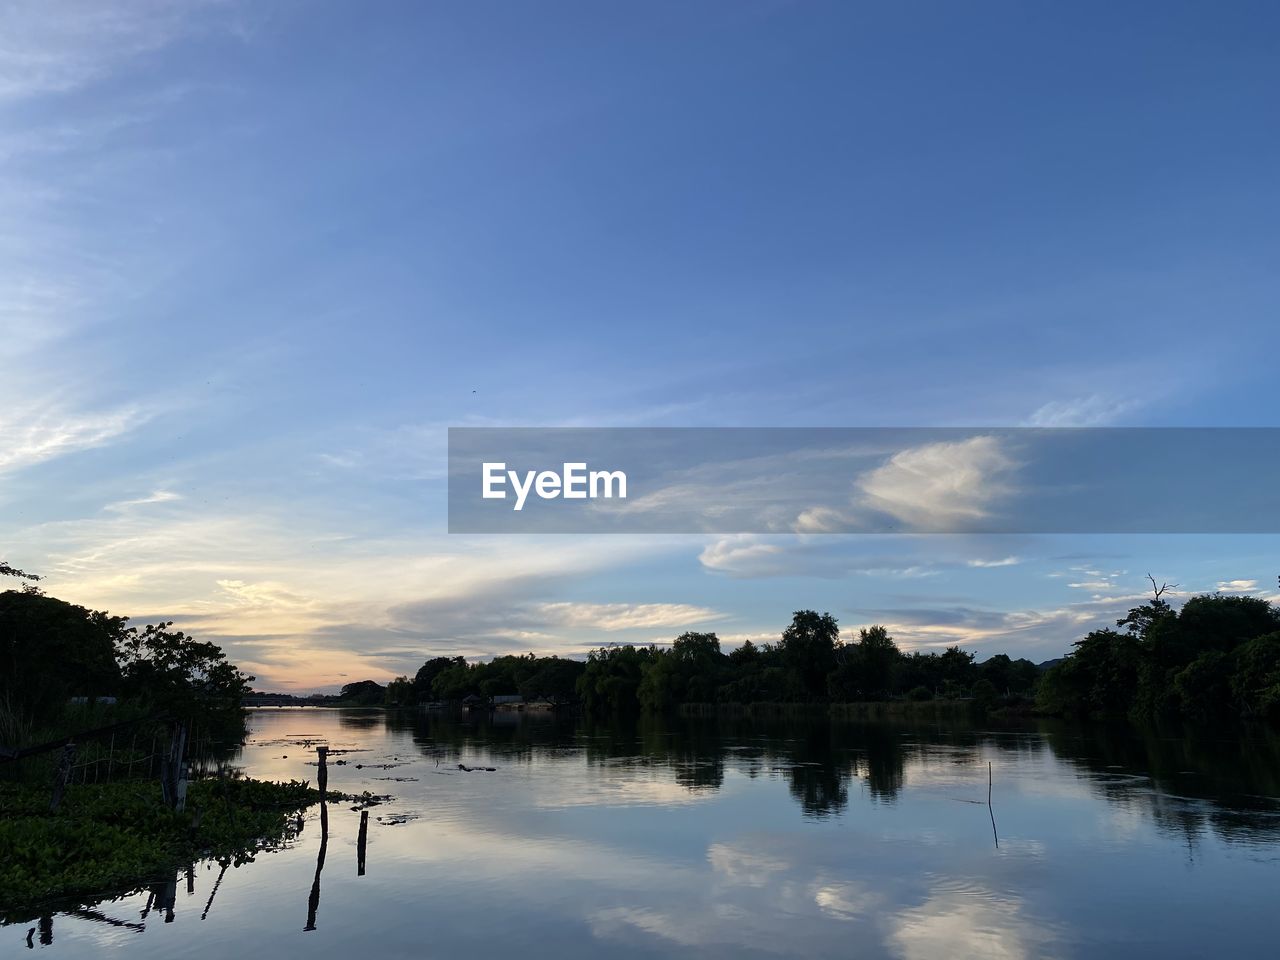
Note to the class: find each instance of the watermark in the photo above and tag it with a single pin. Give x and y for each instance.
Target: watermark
(573, 482)
(817, 481)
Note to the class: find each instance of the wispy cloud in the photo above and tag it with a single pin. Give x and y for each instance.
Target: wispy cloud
(58, 47)
(157, 496)
(1094, 410)
(29, 437)
(627, 616)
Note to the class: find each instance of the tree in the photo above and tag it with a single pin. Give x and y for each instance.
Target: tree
(364, 693)
(51, 650)
(808, 650)
(957, 666)
(554, 681)
(1141, 619)
(1255, 681)
(1204, 686)
(427, 673)
(875, 653)
(399, 693)
(611, 679)
(185, 678)
(8, 571)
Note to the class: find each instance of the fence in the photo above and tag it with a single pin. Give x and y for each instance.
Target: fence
(152, 747)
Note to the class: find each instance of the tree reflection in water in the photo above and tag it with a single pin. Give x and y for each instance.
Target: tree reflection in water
(1185, 780)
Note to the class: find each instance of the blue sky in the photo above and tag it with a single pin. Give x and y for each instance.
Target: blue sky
(257, 257)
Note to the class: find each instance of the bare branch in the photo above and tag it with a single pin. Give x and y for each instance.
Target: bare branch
(1160, 590)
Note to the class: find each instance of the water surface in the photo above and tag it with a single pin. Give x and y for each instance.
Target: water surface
(723, 838)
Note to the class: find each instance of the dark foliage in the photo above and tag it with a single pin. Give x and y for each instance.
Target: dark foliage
(1216, 658)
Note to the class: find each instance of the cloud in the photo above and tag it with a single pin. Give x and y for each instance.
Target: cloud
(1033, 633)
(626, 616)
(29, 437)
(750, 556)
(303, 606)
(1094, 410)
(826, 520)
(1237, 586)
(1003, 562)
(734, 554)
(940, 486)
(969, 922)
(156, 496)
(52, 48)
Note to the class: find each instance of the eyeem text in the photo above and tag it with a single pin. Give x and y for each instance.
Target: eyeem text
(574, 482)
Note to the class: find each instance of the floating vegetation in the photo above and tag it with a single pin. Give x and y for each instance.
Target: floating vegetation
(395, 820)
(110, 839)
(366, 800)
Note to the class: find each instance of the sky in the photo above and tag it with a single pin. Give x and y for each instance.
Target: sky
(257, 258)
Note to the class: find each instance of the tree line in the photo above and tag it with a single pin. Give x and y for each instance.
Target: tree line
(52, 651)
(810, 663)
(1216, 658)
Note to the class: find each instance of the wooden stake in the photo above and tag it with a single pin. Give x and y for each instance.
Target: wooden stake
(322, 775)
(61, 776)
(361, 842)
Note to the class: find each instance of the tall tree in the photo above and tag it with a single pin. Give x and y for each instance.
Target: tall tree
(808, 650)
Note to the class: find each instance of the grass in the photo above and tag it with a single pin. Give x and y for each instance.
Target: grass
(108, 840)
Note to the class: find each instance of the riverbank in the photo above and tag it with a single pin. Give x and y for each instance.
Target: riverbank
(107, 840)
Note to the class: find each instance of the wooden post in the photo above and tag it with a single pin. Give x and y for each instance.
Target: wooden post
(177, 767)
(361, 842)
(63, 773)
(322, 775)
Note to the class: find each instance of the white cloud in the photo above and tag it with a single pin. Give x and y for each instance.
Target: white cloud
(1237, 586)
(940, 486)
(732, 553)
(156, 496)
(29, 437)
(1003, 562)
(627, 616)
(970, 923)
(825, 520)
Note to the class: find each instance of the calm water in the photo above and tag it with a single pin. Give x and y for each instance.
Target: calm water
(735, 839)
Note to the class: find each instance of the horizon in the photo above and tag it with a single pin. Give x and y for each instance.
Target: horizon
(259, 260)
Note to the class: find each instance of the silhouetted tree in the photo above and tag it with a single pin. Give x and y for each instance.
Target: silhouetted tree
(808, 650)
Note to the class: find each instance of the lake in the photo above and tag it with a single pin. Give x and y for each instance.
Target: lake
(733, 838)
